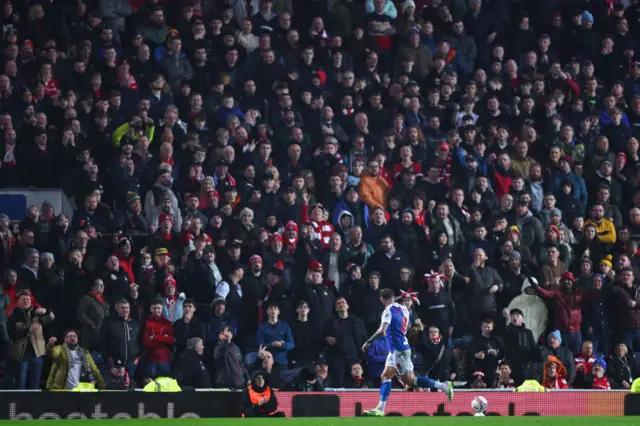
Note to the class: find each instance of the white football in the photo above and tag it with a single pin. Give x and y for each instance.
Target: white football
(479, 404)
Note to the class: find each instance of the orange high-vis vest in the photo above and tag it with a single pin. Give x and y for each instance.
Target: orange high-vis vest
(257, 396)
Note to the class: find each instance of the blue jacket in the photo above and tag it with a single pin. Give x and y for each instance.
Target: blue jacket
(579, 188)
(342, 206)
(280, 332)
(217, 324)
(225, 113)
(376, 357)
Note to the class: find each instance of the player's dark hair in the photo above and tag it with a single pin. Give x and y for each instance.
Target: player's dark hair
(387, 294)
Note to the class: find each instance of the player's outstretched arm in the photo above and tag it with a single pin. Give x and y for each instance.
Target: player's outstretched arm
(379, 333)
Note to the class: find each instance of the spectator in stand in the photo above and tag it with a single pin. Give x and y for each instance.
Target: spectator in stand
(344, 333)
(275, 335)
(117, 378)
(70, 363)
(555, 375)
(157, 339)
(120, 337)
(27, 345)
(187, 327)
(189, 369)
(519, 346)
(92, 311)
(446, 145)
(230, 370)
(568, 310)
(621, 368)
(555, 350)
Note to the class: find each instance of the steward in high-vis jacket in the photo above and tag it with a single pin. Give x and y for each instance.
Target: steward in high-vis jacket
(258, 399)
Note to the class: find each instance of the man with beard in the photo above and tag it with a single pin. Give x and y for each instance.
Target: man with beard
(388, 261)
(70, 363)
(567, 308)
(604, 227)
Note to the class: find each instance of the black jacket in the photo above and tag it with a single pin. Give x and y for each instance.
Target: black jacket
(121, 338)
(183, 331)
(389, 267)
(520, 347)
(190, 371)
(437, 309)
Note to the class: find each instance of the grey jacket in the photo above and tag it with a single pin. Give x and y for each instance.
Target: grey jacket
(113, 12)
(91, 313)
(230, 369)
(482, 279)
(177, 69)
(466, 50)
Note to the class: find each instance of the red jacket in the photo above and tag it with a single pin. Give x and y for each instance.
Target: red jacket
(501, 183)
(568, 309)
(158, 339)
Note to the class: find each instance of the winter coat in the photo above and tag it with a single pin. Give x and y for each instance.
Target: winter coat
(376, 357)
(279, 332)
(60, 368)
(121, 338)
(157, 338)
(191, 371)
(627, 318)
(113, 13)
(20, 333)
(520, 346)
(567, 308)
(183, 331)
(91, 314)
(566, 358)
(534, 311)
(230, 369)
(437, 309)
(482, 279)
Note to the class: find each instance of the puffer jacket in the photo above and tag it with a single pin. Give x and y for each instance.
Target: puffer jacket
(520, 346)
(534, 311)
(567, 308)
(120, 338)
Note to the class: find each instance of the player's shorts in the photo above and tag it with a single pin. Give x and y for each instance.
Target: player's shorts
(401, 361)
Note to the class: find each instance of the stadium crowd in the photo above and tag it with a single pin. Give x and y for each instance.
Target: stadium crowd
(249, 175)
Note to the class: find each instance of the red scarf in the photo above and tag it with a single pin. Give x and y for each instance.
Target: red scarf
(445, 171)
(99, 297)
(168, 161)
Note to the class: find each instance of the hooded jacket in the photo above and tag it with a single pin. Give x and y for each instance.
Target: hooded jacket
(558, 382)
(533, 308)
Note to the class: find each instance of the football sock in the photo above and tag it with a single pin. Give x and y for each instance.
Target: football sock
(385, 391)
(426, 382)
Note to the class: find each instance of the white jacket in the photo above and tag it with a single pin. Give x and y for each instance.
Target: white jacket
(533, 309)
